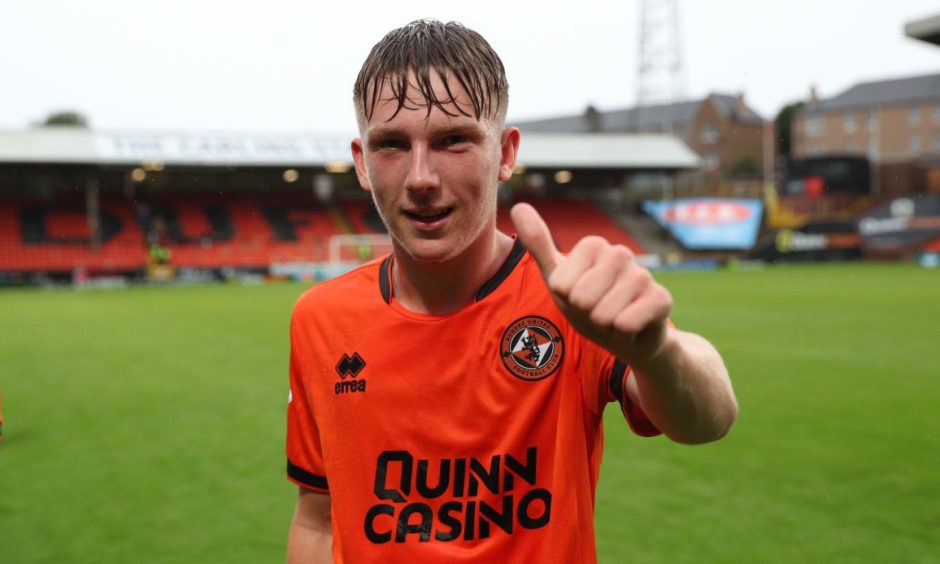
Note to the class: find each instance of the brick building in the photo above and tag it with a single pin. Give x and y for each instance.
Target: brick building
(720, 128)
(894, 123)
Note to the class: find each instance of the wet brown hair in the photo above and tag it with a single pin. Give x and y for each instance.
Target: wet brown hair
(452, 51)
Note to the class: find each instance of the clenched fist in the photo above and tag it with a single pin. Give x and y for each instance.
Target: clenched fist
(601, 289)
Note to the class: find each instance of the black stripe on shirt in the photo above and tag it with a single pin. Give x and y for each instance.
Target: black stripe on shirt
(515, 255)
(385, 279)
(306, 478)
(616, 381)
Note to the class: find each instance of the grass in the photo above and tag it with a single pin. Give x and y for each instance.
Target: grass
(147, 424)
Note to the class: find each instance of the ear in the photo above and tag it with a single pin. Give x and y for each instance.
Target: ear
(358, 155)
(509, 147)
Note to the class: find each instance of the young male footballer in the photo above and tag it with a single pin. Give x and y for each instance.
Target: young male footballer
(446, 400)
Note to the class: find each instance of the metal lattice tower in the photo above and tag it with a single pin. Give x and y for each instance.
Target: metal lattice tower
(660, 76)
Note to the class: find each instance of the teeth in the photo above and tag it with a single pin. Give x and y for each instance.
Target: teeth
(430, 216)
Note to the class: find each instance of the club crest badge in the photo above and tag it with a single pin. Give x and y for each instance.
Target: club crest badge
(532, 348)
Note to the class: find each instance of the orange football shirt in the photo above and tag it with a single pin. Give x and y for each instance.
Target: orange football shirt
(473, 436)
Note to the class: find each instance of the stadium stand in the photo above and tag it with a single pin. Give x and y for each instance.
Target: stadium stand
(225, 232)
(570, 220)
(200, 232)
(204, 205)
(37, 236)
(245, 232)
(362, 216)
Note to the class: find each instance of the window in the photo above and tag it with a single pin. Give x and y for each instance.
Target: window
(709, 133)
(913, 115)
(711, 161)
(849, 123)
(914, 144)
(814, 125)
(873, 148)
(872, 119)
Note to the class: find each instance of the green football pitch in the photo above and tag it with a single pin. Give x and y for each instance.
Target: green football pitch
(147, 425)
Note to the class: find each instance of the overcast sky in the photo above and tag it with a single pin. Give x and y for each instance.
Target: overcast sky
(289, 65)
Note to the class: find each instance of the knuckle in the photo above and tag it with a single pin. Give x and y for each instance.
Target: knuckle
(660, 295)
(580, 299)
(557, 282)
(626, 324)
(665, 298)
(642, 278)
(602, 317)
(590, 243)
(619, 254)
(577, 300)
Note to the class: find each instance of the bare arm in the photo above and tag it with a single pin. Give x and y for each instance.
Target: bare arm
(685, 390)
(310, 540)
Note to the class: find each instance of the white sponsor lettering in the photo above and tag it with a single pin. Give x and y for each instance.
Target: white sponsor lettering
(876, 226)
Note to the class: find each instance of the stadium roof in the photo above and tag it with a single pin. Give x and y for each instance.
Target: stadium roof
(635, 151)
(925, 29)
(63, 145)
(882, 93)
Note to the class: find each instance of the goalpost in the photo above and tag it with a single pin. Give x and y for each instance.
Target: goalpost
(360, 248)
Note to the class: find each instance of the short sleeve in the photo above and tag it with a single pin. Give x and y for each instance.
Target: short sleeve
(604, 379)
(304, 453)
(633, 413)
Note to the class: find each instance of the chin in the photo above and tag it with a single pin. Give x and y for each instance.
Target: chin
(431, 251)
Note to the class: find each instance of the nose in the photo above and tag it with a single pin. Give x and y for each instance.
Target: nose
(421, 175)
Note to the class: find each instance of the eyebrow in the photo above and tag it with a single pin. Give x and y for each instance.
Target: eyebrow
(381, 131)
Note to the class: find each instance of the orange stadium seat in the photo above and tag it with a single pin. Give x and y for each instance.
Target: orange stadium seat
(65, 240)
(570, 221)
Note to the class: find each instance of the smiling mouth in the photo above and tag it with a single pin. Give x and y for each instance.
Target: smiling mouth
(428, 216)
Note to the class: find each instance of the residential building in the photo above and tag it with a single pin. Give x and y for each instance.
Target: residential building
(720, 128)
(894, 123)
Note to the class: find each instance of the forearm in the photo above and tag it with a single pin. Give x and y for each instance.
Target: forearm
(307, 546)
(685, 390)
(310, 540)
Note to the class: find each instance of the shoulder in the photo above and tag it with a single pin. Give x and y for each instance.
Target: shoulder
(352, 288)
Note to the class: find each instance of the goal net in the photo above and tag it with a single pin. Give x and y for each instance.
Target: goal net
(360, 248)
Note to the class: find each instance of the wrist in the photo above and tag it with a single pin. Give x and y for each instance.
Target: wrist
(660, 353)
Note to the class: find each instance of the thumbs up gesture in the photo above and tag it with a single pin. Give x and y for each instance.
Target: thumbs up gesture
(604, 293)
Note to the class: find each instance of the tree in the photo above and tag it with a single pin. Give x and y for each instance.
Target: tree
(783, 123)
(744, 167)
(66, 119)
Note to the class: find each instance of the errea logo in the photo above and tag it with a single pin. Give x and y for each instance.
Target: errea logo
(350, 367)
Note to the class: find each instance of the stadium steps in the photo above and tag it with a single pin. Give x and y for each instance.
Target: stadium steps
(363, 217)
(647, 232)
(341, 219)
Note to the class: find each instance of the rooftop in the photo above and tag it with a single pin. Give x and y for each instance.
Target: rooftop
(881, 93)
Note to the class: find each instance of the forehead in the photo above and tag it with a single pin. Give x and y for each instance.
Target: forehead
(450, 103)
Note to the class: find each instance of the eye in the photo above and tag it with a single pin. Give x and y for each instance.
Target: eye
(390, 144)
(455, 140)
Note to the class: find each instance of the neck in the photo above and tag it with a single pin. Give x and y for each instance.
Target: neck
(439, 288)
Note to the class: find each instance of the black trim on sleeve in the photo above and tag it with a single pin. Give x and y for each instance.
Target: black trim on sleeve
(515, 255)
(307, 478)
(616, 381)
(385, 279)
(634, 414)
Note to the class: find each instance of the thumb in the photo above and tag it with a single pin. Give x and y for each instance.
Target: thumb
(536, 237)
